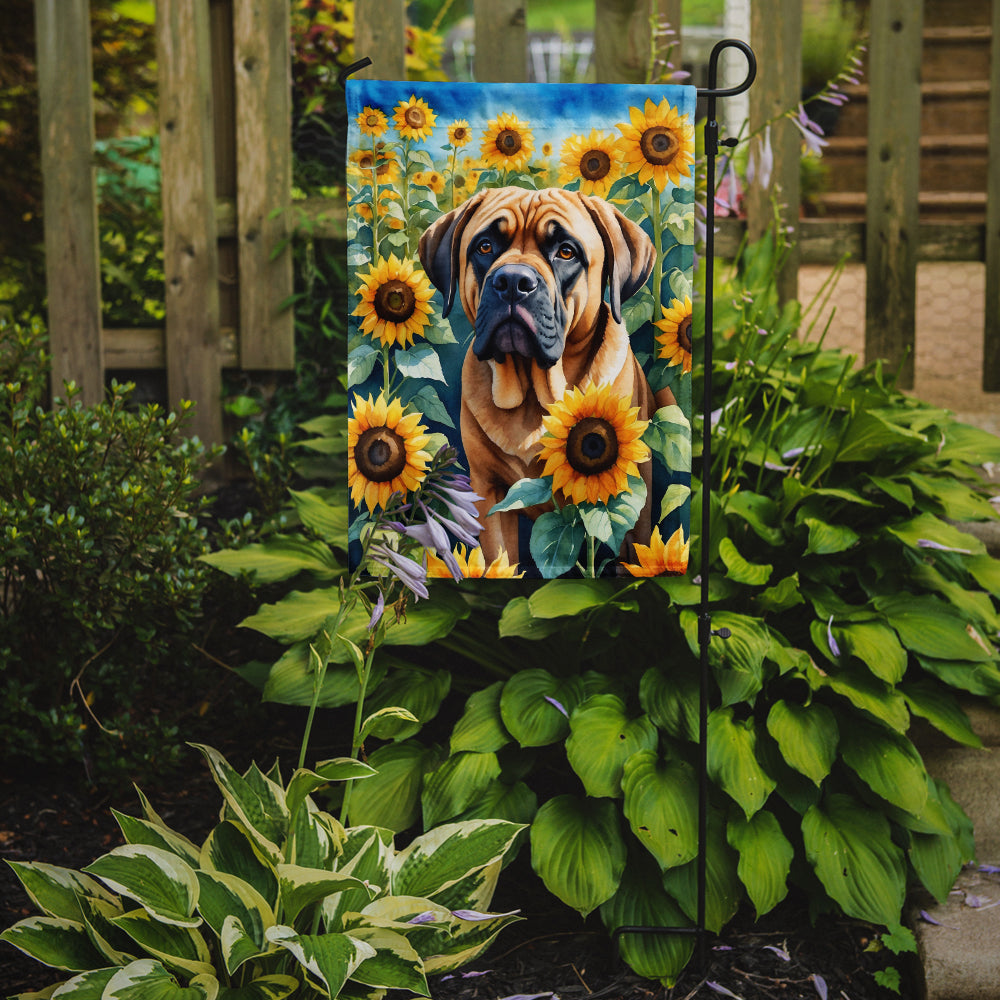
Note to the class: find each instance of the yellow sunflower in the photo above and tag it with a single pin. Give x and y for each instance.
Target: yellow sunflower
(385, 196)
(384, 451)
(463, 184)
(661, 557)
(592, 444)
(395, 302)
(372, 121)
(507, 143)
(657, 144)
(386, 164)
(675, 340)
(459, 133)
(414, 118)
(429, 178)
(474, 564)
(593, 160)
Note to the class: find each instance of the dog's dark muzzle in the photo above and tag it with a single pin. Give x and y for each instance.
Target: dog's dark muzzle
(516, 316)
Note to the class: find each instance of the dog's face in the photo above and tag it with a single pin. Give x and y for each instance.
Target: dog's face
(531, 268)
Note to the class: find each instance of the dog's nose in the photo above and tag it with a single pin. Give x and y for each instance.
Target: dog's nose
(514, 282)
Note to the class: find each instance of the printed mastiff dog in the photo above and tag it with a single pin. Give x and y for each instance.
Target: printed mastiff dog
(531, 269)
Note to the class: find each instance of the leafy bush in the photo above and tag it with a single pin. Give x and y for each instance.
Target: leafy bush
(101, 587)
(279, 899)
(854, 601)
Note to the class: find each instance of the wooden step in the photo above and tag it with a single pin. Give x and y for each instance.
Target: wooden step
(956, 53)
(947, 107)
(958, 206)
(947, 162)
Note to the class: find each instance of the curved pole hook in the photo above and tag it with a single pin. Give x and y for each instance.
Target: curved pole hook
(712, 90)
(353, 68)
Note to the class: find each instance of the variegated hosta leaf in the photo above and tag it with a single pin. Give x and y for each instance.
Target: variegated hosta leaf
(661, 802)
(225, 897)
(54, 941)
(578, 851)
(602, 737)
(86, 986)
(732, 760)
(177, 947)
(304, 782)
(476, 890)
(328, 959)
(315, 838)
(301, 887)
(481, 727)
(141, 831)
(116, 947)
(535, 706)
(765, 858)
(807, 736)
(468, 939)
(850, 847)
(56, 891)
(642, 902)
(441, 857)
(230, 849)
(395, 964)
(367, 853)
(456, 784)
(256, 801)
(158, 880)
(275, 987)
(149, 980)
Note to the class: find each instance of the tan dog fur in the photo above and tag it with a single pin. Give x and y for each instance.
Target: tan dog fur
(503, 402)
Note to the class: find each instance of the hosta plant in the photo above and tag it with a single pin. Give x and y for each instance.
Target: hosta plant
(279, 900)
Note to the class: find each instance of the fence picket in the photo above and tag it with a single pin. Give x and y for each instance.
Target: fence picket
(72, 257)
(501, 41)
(380, 34)
(991, 332)
(892, 215)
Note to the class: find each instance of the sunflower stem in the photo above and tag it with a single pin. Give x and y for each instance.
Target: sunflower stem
(375, 203)
(591, 556)
(657, 220)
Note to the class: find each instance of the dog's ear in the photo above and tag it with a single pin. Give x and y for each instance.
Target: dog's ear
(439, 246)
(628, 251)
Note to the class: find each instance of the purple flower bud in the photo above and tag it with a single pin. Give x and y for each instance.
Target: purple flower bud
(427, 917)
(927, 543)
(410, 573)
(820, 984)
(558, 705)
(377, 612)
(834, 648)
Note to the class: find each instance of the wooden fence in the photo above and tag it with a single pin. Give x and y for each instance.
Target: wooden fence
(226, 161)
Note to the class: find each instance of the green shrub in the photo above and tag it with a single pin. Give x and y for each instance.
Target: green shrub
(280, 899)
(101, 584)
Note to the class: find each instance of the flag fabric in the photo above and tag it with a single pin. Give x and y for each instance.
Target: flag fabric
(520, 263)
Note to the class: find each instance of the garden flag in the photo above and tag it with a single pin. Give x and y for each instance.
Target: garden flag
(520, 263)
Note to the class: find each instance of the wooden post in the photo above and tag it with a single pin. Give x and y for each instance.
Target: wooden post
(190, 253)
(380, 34)
(501, 41)
(261, 39)
(623, 40)
(991, 333)
(72, 255)
(776, 34)
(893, 183)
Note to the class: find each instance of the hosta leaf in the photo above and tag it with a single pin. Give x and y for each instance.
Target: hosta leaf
(527, 709)
(765, 858)
(888, 763)
(738, 569)
(827, 539)
(225, 897)
(517, 620)
(516, 803)
(301, 887)
(738, 661)
(723, 889)
(851, 850)
(56, 891)
(936, 704)
(180, 948)
(395, 964)
(366, 855)
(456, 784)
(560, 598)
(292, 680)
(760, 512)
(466, 941)
(279, 558)
(391, 798)
(274, 987)
(54, 941)
(328, 520)
(147, 979)
(869, 436)
(141, 831)
(864, 691)
(732, 760)
(418, 690)
(601, 739)
(661, 799)
(230, 849)
(976, 678)
(304, 782)
(87, 986)
(937, 858)
(670, 698)
(159, 881)
(876, 646)
(957, 500)
(928, 528)
(578, 851)
(985, 569)
(438, 859)
(807, 736)
(386, 723)
(330, 959)
(481, 728)
(931, 628)
(641, 901)
(783, 595)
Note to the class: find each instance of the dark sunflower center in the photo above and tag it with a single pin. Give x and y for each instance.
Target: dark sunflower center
(508, 141)
(592, 446)
(414, 117)
(659, 145)
(458, 181)
(371, 121)
(461, 134)
(684, 334)
(380, 454)
(395, 301)
(595, 164)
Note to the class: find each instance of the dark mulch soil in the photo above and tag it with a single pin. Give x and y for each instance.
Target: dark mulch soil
(550, 952)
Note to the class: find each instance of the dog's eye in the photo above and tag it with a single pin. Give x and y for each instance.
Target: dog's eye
(484, 246)
(566, 251)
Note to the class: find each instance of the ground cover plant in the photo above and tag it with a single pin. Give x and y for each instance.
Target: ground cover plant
(854, 602)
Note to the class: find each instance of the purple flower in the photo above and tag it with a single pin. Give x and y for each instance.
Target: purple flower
(834, 648)
(410, 573)
(760, 163)
(552, 701)
(820, 983)
(811, 132)
(427, 917)
(927, 543)
(719, 988)
(780, 952)
(460, 502)
(475, 915)
(431, 535)
(727, 197)
(377, 612)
